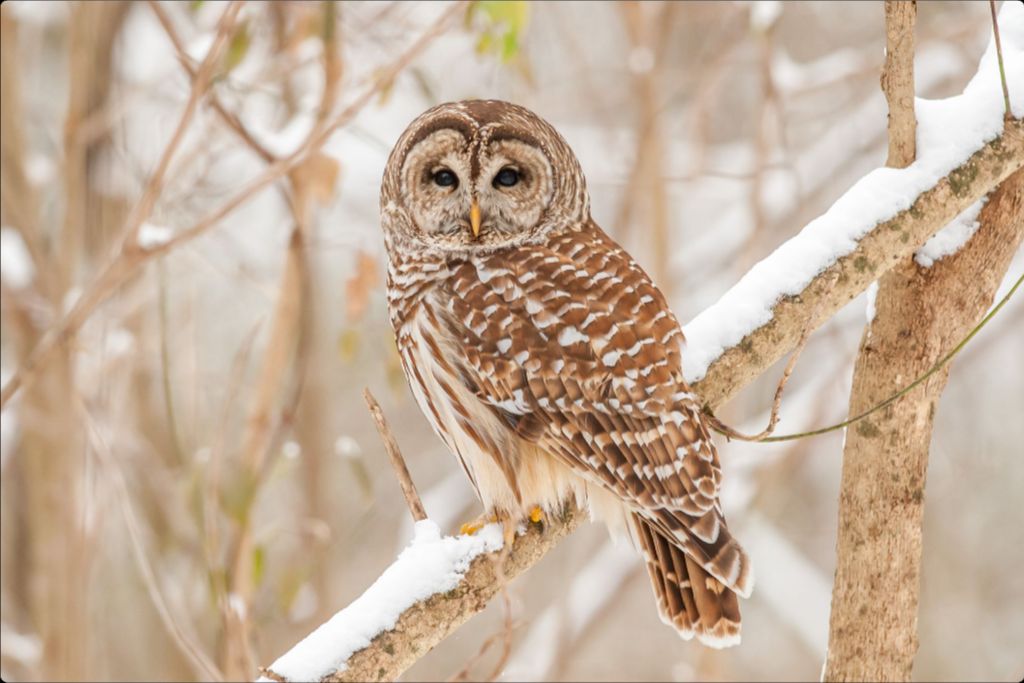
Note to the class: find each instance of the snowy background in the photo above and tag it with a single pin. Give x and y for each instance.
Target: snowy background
(709, 133)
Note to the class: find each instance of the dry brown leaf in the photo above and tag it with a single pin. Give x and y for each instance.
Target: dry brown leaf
(317, 177)
(358, 288)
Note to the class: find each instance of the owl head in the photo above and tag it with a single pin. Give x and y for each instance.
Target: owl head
(477, 176)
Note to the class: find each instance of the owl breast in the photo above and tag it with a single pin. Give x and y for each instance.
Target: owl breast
(509, 474)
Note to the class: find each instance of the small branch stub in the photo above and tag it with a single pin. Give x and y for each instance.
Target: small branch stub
(898, 81)
(397, 461)
(1008, 113)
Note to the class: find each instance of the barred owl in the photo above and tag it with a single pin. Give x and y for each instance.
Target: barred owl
(545, 358)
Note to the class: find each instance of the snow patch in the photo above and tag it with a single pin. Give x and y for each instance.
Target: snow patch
(871, 295)
(431, 564)
(347, 447)
(951, 238)
(40, 169)
(16, 266)
(152, 236)
(291, 450)
(949, 132)
(764, 14)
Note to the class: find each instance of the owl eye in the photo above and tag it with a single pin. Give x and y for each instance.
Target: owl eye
(507, 177)
(446, 178)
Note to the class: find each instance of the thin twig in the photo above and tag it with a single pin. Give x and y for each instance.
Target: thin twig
(412, 498)
(233, 122)
(773, 419)
(165, 364)
(910, 387)
(204, 75)
(999, 57)
(765, 436)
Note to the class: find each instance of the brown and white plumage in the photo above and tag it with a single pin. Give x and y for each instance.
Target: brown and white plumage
(544, 356)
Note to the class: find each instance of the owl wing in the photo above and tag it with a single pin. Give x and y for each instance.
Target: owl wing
(577, 350)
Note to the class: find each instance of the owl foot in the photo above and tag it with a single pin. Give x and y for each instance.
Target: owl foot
(536, 515)
(470, 528)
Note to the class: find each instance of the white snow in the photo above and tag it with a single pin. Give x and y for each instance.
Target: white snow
(152, 236)
(431, 564)
(764, 13)
(951, 238)
(871, 294)
(949, 131)
(40, 169)
(24, 649)
(15, 263)
(347, 447)
(291, 449)
(39, 13)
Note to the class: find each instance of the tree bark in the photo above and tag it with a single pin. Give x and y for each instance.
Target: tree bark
(898, 81)
(921, 313)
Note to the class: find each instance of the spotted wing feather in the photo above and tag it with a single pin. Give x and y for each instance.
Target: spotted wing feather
(577, 349)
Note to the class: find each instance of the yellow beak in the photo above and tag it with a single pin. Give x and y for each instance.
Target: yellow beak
(474, 218)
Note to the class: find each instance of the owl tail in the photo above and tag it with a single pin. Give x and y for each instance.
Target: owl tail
(689, 599)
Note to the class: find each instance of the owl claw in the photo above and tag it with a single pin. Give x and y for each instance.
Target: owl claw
(536, 514)
(470, 528)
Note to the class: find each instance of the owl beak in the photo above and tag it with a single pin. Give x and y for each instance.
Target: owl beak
(474, 219)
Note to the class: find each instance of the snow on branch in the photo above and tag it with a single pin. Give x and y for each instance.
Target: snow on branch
(434, 587)
(965, 150)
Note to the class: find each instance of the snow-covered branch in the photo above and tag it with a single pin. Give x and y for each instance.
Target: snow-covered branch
(425, 622)
(965, 150)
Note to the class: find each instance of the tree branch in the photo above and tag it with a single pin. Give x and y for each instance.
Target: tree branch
(395, 455)
(426, 623)
(887, 244)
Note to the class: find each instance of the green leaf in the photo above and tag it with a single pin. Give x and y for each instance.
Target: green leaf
(259, 558)
(237, 48)
(509, 46)
(501, 24)
(348, 345)
(483, 45)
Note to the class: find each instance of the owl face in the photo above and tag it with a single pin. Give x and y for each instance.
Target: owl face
(480, 175)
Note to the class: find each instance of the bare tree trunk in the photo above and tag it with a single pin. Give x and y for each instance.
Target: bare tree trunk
(921, 314)
(53, 570)
(646, 199)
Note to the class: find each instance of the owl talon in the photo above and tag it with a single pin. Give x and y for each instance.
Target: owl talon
(470, 528)
(536, 515)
